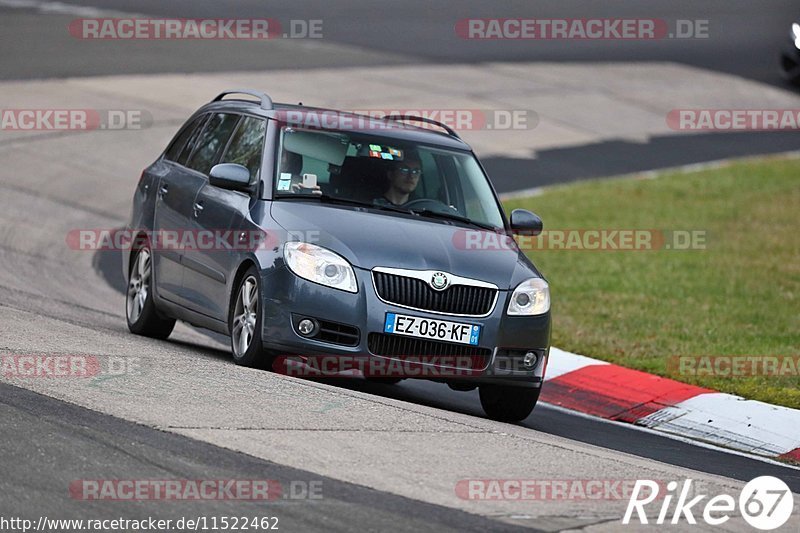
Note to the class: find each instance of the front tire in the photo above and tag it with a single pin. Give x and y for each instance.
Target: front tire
(508, 404)
(245, 323)
(140, 310)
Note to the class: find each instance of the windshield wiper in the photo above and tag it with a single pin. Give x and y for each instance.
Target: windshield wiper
(387, 207)
(452, 216)
(347, 201)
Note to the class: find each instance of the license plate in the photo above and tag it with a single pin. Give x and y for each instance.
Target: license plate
(429, 328)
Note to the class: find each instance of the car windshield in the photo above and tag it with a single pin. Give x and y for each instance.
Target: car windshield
(386, 173)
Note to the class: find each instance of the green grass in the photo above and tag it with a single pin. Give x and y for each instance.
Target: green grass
(739, 296)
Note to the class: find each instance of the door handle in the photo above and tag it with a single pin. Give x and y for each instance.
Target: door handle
(198, 208)
(162, 190)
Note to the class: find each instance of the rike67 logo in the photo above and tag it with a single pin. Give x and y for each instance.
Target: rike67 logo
(766, 503)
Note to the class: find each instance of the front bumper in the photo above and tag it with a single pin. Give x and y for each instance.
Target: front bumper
(505, 339)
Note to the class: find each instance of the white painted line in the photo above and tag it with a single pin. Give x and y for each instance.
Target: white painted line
(731, 421)
(523, 193)
(61, 8)
(722, 420)
(670, 436)
(561, 362)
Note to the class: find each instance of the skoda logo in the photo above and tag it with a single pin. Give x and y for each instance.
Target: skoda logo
(439, 281)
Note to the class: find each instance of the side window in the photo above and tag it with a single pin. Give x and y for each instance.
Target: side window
(174, 150)
(192, 141)
(213, 139)
(247, 145)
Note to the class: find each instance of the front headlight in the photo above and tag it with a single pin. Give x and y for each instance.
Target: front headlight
(320, 265)
(531, 297)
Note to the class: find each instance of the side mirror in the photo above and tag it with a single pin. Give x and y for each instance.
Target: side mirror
(230, 176)
(525, 222)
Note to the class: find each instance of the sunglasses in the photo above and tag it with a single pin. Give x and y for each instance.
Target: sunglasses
(412, 171)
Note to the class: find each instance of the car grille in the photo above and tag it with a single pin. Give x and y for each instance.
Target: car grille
(398, 345)
(455, 300)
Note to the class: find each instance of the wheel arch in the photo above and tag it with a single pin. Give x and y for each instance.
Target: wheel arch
(243, 267)
(137, 242)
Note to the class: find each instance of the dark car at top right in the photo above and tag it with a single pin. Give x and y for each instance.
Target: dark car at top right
(790, 55)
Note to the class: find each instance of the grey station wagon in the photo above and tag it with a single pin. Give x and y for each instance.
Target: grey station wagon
(306, 234)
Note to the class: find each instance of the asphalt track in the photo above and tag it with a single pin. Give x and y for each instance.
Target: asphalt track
(67, 438)
(188, 417)
(744, 40)
(744, 36)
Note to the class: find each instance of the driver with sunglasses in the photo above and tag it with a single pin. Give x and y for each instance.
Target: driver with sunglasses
(403, 179)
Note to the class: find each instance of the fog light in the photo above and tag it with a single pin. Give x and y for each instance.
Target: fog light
(530, 360)
(307, 327)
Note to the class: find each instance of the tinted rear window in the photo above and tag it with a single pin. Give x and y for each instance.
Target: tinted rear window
(174, 151)
(247, 145)
(215, 136)
(190, 144)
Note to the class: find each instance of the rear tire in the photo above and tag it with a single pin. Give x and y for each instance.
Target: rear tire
(508, 404)
(140, 310)
(245, 323)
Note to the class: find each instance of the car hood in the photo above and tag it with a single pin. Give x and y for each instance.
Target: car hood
(368, 239)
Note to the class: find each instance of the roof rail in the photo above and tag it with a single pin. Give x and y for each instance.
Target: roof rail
(266, 101)
(414, 118)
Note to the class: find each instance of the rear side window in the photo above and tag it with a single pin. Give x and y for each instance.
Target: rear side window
(174, 151)
(247, 145)
(187, 149)
(213, 139)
